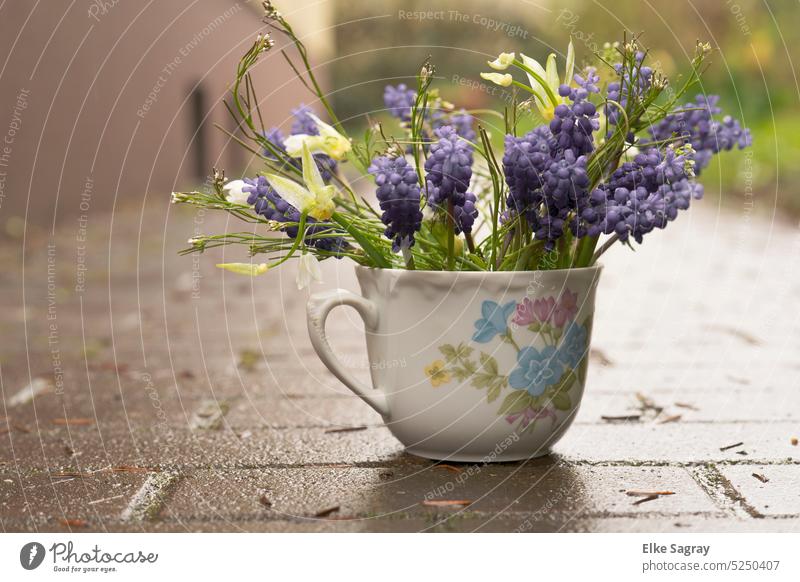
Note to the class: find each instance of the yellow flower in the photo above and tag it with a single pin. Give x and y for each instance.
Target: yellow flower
(315, 198)
(549, 74)
(329, 141)
(504, 80)
(502, 62)
(437, 372)
(251, 269)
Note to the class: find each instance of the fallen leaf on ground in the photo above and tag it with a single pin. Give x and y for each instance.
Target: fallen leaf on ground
(760, 477)
(20, 428)
(327, 512)
(447, 502)
(264, 500)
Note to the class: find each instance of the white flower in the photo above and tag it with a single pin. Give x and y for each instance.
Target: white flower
(251, 269)
(316, 199)
(234, 192)
(549, 74)
(504, 80)
(329, 141)
(308, 270)
(502, 62)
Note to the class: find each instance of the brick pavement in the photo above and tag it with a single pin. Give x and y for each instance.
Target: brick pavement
(191, 399)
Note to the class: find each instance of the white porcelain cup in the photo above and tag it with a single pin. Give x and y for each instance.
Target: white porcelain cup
(469, 366)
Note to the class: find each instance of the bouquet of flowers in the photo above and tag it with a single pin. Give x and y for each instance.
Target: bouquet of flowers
(614, 153)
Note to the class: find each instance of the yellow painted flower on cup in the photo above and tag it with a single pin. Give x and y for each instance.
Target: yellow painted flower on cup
(329, 141)
(437, 373)
(315, 198)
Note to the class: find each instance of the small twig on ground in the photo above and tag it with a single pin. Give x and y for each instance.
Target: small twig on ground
(450, 468)
(646, 499)
(447, 502)
(673, 418)
(686, 405)
(623, 418)
(729, 447)
(760, 477)
(346, 429)
(635, 493)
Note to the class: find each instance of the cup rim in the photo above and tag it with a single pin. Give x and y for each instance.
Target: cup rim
(481, 274)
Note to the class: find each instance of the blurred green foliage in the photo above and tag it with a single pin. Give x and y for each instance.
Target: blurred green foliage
(752, 69)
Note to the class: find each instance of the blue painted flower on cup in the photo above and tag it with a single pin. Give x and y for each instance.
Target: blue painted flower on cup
(572, 347)
(536, 370)
(493, 321)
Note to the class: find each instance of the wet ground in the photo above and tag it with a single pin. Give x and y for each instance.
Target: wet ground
(144, 391)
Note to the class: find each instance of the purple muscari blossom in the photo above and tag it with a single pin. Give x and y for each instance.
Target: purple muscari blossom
(448, 168)
(466, 214)
(302, 121)
(564, 190)
(524, 160)
(572, 125)
(694, 123)
(641, 196)
(588, 80)
(266, 202)
(399, 100)
(399, 196)
(626, 86)
(462, 123)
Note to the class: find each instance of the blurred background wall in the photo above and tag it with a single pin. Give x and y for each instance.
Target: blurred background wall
(112, 102)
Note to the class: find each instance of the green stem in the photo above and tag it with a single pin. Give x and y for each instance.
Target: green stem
(451, 236)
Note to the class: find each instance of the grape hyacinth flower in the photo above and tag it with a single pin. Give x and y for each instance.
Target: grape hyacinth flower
(462, 123)
(303, 122)
(524, 160)
(448, 169)
(625, 85)
(266, 202)
(694, 123)
(399, 197)
(641, 196)
(572, 126)
(399, 100)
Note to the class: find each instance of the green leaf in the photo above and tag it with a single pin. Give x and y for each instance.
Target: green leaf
(461, 374)
(463, 351)
(448, 351)
(482, 380)
(562, 401)
(564, 383)
(517, 401)
(489, 364)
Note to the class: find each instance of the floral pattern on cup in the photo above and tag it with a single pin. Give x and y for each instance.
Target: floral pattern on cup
(539, 384)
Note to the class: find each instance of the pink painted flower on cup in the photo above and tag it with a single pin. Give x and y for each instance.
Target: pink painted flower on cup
(566, 309)
(543, 309)
(524, 313)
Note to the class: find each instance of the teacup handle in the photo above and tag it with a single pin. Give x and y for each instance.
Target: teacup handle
(317, 310)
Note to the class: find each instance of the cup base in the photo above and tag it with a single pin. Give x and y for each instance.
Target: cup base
(476, 458)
